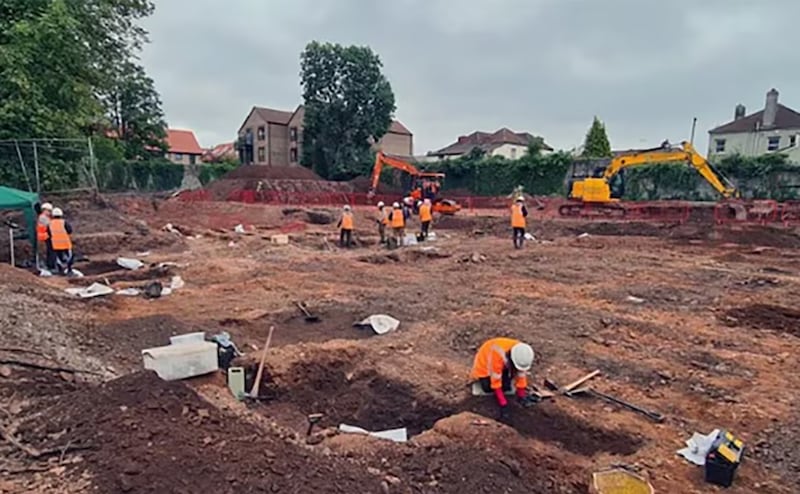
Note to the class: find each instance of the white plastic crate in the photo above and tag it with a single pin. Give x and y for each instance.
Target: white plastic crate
(181, 361)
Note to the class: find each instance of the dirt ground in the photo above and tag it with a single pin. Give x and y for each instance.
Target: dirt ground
(696, 322)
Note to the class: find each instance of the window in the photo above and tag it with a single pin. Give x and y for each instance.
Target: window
(793, 141)
(262, 154)
(262, 133)
(293, 155)
(293, 134)
(248, 137)
(193, 159)
(773, 143)
(513, 153)
(178, 157)
(719, 145)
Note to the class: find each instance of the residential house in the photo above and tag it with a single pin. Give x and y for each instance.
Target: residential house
(221, 152)
(183, 148)
(504, 142)
(275, 137)
(775, 129)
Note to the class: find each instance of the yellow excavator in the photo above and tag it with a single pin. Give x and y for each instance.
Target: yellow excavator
(596, 192)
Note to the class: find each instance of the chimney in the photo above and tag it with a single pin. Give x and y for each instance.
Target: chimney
(462, 139)
(739, 112)
(771, 108)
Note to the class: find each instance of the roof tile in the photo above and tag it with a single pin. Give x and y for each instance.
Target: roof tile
(183, 141)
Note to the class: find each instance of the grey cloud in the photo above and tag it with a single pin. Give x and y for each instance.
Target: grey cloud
(547, 66)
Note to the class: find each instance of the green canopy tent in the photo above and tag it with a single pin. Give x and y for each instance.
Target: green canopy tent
(19, 200)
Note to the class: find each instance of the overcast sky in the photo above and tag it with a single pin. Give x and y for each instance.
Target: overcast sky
(645, 67)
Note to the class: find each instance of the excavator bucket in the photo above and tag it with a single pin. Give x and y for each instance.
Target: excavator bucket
(446, 207)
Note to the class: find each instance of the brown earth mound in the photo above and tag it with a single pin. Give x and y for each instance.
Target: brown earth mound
(142, 434)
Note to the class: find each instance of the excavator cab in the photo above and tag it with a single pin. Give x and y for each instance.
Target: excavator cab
(587, 183)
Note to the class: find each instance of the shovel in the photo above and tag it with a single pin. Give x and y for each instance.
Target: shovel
(308, 315)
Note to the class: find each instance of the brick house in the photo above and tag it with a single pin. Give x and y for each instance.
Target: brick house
(183, 148)
(275, 137)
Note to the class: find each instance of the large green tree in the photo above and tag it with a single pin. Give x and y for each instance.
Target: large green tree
(349, 105)
(596, 144)
(134, 109)
(61, 61)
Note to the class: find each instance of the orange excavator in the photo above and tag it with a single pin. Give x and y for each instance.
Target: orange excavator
(424, 185)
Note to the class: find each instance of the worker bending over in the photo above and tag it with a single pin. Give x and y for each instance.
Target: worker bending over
(59, 232)
(44, 250)
(346, 227)
(519, 213)
(397, 218)
(383, 219)
(425, 218)
(499, 363)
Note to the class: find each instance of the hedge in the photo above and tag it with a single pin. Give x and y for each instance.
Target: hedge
(765, 177)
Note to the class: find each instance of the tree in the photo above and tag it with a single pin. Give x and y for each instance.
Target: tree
(349, 105)
(60, 60)
(134, 109)
(536, 146)
(596, 144)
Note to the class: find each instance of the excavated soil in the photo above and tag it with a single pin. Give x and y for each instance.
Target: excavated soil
(292, 327)
(141, 434)
(674, 351)
(764, 316)
(374, 402)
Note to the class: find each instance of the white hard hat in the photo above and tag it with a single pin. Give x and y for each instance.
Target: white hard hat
(396, 205)
(520, 199)
(522, 356)
(347, 207)
(47, 207)
(381, 204)
(57, 213)
(427, 201)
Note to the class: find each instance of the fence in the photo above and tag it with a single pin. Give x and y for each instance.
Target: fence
(727, 212)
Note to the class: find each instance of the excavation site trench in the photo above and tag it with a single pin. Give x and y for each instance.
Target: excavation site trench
(370, 400)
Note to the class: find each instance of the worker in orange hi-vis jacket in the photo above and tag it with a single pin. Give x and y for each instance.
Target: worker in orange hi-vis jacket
(59, 232)
(499, 363)
(346, 225)
(519, 214)
(425, 218)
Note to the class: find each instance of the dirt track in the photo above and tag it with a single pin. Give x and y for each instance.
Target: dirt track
(699, 324)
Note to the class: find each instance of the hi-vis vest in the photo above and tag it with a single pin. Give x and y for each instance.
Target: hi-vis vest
(59, 238)
(347, 220)
(425, 213)
(398, 220)
(517, 218)
(41, 228)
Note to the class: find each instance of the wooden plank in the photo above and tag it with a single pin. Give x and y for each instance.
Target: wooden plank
(578, 382)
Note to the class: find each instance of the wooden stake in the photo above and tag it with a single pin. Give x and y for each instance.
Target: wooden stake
(575, 384)
(257, 384)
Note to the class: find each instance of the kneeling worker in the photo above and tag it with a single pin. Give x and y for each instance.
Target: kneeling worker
(498, 363)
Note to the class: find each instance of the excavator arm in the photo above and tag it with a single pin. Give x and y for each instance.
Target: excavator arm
(443, 206)
(667, 154)
(381, 160)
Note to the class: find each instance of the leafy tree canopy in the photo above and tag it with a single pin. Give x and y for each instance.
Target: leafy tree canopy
(349, 105)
